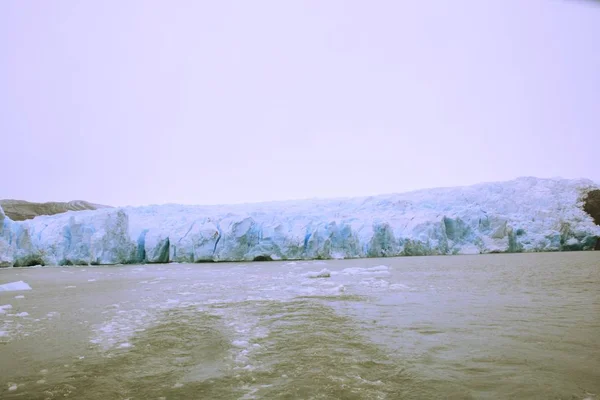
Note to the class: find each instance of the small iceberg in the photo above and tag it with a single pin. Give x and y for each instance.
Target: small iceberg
(5, 307)
(14, 286)
(324, 273)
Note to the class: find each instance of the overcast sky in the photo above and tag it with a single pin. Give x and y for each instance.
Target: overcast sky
(203, 102)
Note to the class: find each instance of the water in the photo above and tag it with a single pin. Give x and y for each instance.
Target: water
(516, 326)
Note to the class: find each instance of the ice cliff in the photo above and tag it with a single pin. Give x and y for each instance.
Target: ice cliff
(526, 214)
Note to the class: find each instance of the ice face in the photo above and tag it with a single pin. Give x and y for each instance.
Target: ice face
(526, 214)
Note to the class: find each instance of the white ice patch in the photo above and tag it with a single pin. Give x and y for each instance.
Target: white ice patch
(380, 270)
(14, 286)
(19, 297)
(375, 283)
(400, 286)
(5, 307)
(324, 273)
(120, 328)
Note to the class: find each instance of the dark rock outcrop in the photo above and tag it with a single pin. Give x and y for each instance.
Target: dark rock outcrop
(591, 206)
(20, 210)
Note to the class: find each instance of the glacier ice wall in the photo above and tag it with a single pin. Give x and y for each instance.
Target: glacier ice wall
(523, 215)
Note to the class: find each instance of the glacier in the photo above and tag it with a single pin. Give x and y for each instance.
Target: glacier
(522, 215)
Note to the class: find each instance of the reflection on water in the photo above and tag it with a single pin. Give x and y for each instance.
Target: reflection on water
(493, 326)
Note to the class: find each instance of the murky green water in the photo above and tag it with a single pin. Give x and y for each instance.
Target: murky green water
(519, 326)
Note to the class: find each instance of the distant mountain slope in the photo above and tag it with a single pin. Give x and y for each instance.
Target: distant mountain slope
(20, 210)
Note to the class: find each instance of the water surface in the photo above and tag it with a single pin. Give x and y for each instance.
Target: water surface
(457, 327)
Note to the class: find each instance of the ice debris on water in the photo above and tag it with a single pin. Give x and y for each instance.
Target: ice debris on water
(5, 307)
(14, 286)
(324, 273)
(380, 270)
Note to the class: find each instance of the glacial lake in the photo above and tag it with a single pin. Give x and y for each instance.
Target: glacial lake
(503, 326)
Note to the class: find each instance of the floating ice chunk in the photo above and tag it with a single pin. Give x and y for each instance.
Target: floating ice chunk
(91, 280)
(4, 308)
(19, 297)
(12, 387)
(324, 273)
(3, 333)
(337, 289)
(70, 287)
(14, 286)
(375, 283)
(125, 345)
(22, 314)
(380, 270)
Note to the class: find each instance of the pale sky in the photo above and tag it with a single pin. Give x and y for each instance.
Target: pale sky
(203, 102)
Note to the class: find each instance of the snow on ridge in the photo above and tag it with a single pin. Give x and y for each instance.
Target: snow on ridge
(526, 214)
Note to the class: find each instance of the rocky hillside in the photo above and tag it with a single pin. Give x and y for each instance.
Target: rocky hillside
(592, 207)
(20, 210)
